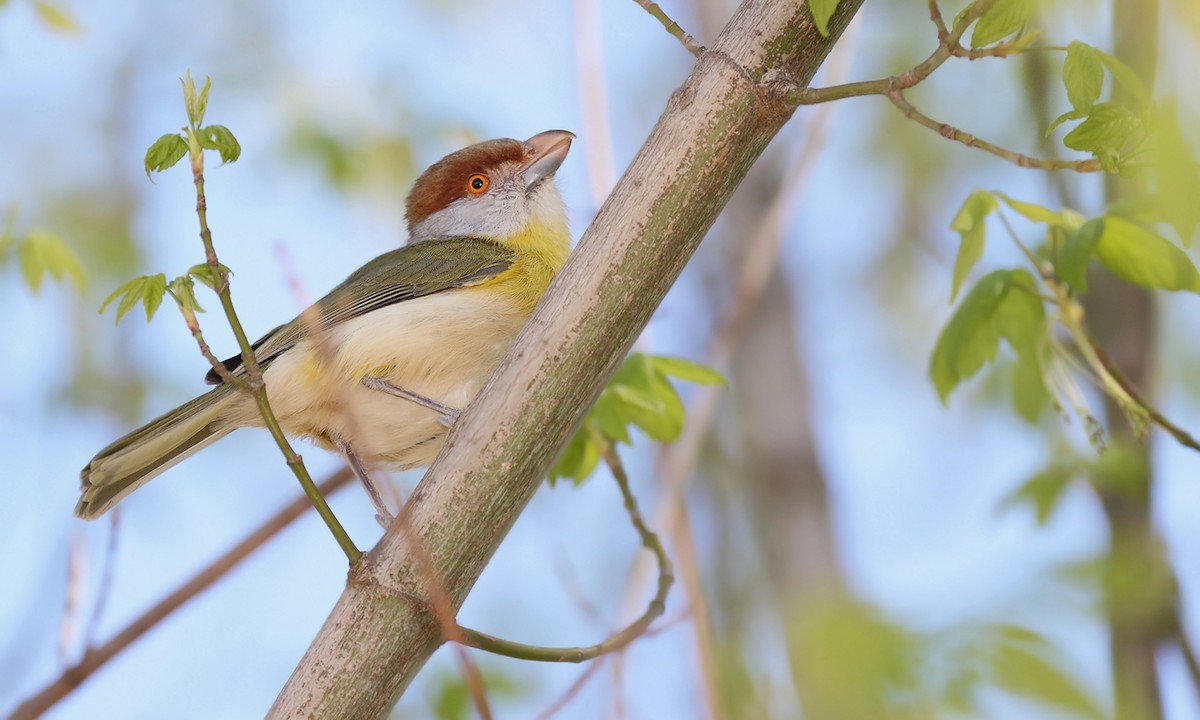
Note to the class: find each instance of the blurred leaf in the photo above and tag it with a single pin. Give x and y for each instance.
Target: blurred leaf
(203, 273)
(1065, 117)
(1107, 128)
(1003, 19)
(451, 699)
(219, 138)
(1028, 674)
(1083, 75)
(42, 253)
(55, 18)
(1033, 212)
(1123, 469)
(1176, 178)
(847, 661)
(1077, 252)
(970, 223)
(686, 370)
(165, 152)
(640, 393)
(1000, 305)
(148, 289)
(1042, 491)
(1127, 78)
(1144, 258)
(578, 460)
(822, 10)
(1029, 395)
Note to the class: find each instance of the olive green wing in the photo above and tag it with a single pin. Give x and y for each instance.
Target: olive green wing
(413, 271)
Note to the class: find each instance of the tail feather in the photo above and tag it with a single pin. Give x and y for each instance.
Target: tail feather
(133, 460)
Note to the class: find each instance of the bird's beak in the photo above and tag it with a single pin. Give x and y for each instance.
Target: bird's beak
(546, 152)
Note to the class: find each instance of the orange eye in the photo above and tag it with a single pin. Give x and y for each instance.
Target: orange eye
(477, 184)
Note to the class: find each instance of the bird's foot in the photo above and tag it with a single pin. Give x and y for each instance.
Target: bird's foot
(383, 516)
(447, 415)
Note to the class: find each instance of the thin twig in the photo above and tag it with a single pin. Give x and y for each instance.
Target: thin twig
(104, 587)
(1020, 159)
(254, 377)
(67, 627)
(671, 26)
(949, 45)
(95, 658)
(1181, 436)
(634, 630)
(474, 682)
(572, 690)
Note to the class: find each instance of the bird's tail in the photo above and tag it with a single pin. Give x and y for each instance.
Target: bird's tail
(133, 460)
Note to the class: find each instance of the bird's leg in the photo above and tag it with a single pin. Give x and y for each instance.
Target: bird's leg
(447, 415)
(383, 516)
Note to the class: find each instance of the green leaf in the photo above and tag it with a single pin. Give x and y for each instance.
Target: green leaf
(970, 224)
(1107, 128)
(1144, 258)
(1021, 316)
(219, 138)
(1083, 75)
(1176, 180)
(1127, 78)
(148, 289)
(56, 18)
(1077, 252)
(1042, 491)
(1029, 394)
(821, 11)
(203, 273)
(1002, 304)
(1068, 115)
(686, 370)
(1033, 212)
(578, 459)
(165, 152)
(1003, 19)
(42, 253)
(1028, 674)
(196, 103)
(183, 290)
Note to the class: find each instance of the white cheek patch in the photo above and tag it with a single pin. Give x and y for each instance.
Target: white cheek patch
(498, 214)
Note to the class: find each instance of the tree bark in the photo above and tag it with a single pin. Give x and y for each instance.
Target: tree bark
(715, 125)
(1124, 319)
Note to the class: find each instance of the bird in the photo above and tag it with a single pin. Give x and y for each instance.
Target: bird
(378, 368)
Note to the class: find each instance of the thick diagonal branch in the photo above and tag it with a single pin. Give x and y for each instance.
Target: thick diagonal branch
(713, 129)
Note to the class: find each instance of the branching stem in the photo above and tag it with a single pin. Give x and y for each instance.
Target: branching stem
(657, 606)
(254, 379)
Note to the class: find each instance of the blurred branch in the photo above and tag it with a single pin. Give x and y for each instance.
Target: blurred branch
(104, 588)
(759, 254)
(96, 657)
(572, 690)
(671, 26)
(593, 99)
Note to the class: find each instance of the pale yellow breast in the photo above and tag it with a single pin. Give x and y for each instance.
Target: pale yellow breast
(442, 346)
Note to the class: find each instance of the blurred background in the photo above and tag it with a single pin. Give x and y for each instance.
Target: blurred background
(847, 546)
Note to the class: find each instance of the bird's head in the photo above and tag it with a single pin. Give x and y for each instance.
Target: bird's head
(502, 190)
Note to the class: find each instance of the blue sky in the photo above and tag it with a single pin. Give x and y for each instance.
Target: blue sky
(914, 486)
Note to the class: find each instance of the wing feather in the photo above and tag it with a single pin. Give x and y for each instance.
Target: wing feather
(409, 272)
